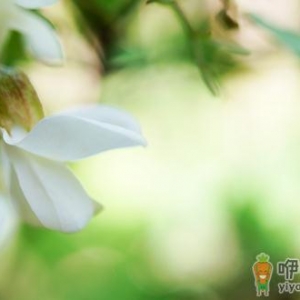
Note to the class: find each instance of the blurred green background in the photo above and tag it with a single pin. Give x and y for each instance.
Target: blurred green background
(218, 184)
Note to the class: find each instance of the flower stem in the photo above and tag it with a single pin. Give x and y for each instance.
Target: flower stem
(196, 46)
(183, 20)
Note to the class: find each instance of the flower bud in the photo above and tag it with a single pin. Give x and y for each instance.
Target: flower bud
(19, 102)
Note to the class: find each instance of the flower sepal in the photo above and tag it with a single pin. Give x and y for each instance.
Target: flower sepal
(19, 102)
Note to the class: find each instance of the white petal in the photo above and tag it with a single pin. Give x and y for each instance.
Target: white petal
(72, 136)
(8, 221)
(34, 4)
(22, 207)
(41, 37)
(97, 207)
(6, 167)
(106, 114)
(20, 203)
(54, 195)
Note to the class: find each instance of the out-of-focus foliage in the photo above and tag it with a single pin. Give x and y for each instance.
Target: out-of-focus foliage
(106, 20)
(114, 262)
(109, 23)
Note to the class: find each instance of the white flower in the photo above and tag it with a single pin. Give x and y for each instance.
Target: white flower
(40, 36)
(42, 188)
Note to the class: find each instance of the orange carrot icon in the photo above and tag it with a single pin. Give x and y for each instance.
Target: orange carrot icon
(262, 270)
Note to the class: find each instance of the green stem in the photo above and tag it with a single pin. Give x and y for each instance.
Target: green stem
(183, 19)
(195, 44)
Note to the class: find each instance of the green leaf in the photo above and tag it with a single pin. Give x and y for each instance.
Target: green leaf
(289, 39)
(14, 50)
(214, 59)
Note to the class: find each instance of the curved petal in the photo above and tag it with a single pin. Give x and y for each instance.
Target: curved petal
(54, 195)
(106, 114)
(34, 4)
(21, 205)
(80, 133)
(23, 208)
(41, 37)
